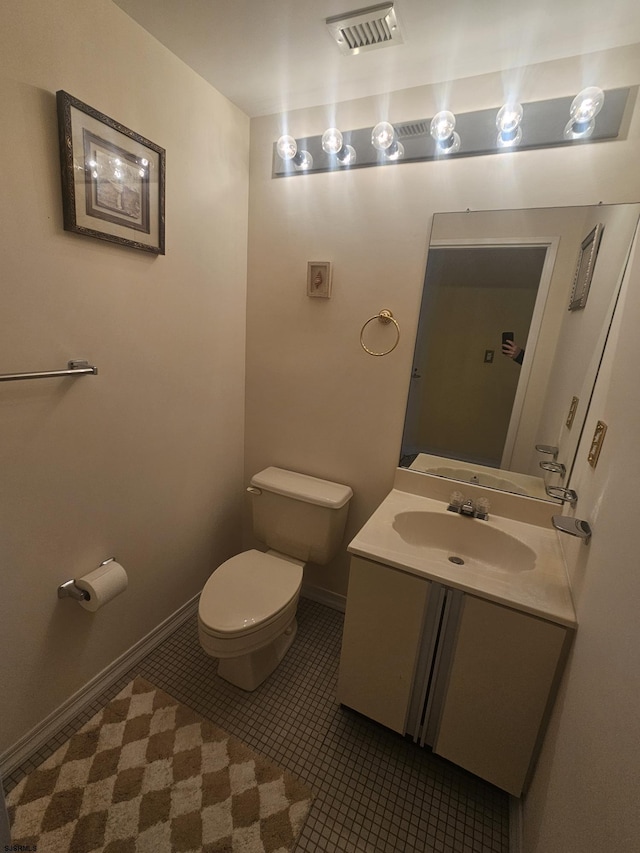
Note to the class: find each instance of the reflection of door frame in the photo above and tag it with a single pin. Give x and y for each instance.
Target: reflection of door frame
(551, 245)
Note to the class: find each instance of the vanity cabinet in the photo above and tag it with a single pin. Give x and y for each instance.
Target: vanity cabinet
(469, 677)
(380, 643)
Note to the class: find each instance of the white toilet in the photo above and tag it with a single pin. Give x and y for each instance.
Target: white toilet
(247, 610)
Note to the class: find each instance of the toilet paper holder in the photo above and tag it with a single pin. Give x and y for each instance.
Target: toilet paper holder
(68, 589)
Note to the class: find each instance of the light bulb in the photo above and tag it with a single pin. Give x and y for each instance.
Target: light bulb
(586, 105)
(579, 130)
(346, 156)
(509, 118)
(303, 161)
(442, 126)
(286, 147)
(509, 140)
(395, 151)
(442, 130)
(332, 140)
(382, 135)
(508, 124)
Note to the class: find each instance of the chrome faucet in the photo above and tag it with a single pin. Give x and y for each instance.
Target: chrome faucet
(468, 508)
(479, 509)
(573, 526)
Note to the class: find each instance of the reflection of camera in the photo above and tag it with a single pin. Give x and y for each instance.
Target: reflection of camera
(507, 336)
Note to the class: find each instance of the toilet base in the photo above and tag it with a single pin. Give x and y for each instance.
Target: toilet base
(250, 670)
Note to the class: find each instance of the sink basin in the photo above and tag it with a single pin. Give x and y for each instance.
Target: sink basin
(466, 475)
(466, 540)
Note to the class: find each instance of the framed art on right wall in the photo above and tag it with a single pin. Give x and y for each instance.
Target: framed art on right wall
(584, 269)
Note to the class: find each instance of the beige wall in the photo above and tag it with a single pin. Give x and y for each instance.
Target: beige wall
(143, 461)
(585, 793)
(583, 332)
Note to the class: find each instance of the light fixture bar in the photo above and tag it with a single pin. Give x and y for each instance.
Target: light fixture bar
(543, 126)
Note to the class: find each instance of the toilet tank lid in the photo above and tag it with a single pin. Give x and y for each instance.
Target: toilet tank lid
(302, 487)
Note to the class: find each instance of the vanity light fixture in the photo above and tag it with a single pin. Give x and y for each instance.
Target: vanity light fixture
(508, 123)
(595, 116)
(442, 129)
(584, 108)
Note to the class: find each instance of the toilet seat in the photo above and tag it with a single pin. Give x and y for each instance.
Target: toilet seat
(247, 593)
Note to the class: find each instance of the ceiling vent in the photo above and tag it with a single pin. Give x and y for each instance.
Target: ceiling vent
(366, 29)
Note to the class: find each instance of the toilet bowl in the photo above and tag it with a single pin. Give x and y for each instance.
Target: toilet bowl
(246, 615)
(247, 608)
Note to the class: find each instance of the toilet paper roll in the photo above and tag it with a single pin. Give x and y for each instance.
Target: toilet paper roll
(103, 584)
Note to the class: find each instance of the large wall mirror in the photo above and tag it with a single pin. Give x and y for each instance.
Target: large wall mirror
(475, 414)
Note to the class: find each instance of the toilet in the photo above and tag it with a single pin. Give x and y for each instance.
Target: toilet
(247, 609)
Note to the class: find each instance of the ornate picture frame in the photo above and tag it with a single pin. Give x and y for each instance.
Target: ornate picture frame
(113, 179)
(584, 269)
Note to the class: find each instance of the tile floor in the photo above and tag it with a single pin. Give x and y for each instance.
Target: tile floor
(375, 792)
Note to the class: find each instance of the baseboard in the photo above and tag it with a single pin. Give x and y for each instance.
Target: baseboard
(515, 825)
(324, 596)
(40, 734)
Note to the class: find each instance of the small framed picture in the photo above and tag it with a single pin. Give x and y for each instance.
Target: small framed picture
(319, 279)
(113, 179)
(584, 269)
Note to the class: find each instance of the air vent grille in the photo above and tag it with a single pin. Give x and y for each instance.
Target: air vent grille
(365, 29)
(412, 129)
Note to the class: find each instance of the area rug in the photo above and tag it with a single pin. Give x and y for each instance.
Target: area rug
(149, 775)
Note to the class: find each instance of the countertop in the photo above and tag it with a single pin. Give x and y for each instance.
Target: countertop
(541, 588)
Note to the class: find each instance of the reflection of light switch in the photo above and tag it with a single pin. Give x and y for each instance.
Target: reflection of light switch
(488, 356)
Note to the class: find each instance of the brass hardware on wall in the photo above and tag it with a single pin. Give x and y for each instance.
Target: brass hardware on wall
(384, 317)
(596, 443)
(572, 412)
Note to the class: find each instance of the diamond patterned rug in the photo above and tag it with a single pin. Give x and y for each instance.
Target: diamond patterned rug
(147, 774)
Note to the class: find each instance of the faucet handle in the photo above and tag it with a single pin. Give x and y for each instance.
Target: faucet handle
(482, 508)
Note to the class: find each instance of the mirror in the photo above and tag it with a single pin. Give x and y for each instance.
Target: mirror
(475, 414)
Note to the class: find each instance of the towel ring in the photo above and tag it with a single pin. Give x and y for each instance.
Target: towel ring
(385, 317)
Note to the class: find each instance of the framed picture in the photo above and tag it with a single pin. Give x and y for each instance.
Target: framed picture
(319, 279)
(113, 179)
(584, 270)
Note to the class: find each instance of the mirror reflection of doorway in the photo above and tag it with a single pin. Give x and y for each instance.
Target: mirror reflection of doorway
(462, 387)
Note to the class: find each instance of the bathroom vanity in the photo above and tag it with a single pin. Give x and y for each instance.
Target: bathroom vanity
(457, 629)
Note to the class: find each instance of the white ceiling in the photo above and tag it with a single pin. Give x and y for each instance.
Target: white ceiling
(270, 56)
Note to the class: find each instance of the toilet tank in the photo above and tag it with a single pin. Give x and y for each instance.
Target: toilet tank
(298, 515)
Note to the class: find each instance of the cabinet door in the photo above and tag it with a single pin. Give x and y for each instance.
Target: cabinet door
(499, 683)
(383, 623)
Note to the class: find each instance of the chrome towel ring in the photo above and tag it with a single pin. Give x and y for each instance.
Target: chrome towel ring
(385, 317)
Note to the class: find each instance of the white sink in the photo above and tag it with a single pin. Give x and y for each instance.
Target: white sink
(501, 559)
(463, 540)
(467, 475)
